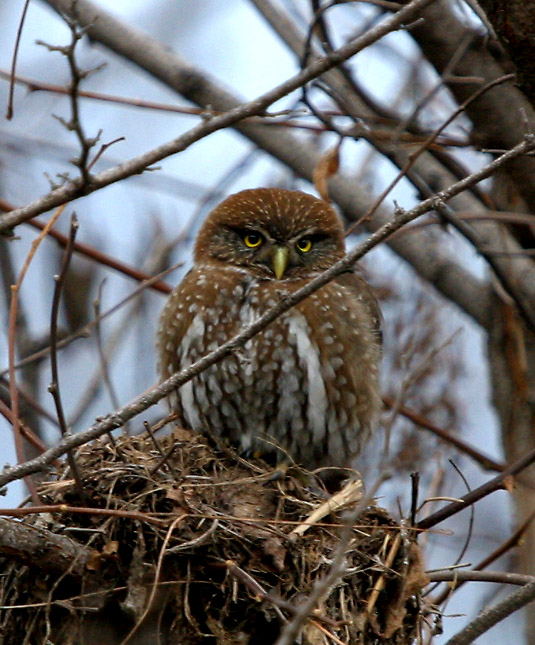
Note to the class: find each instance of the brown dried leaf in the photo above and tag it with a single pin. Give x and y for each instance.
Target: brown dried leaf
(413, 580)
(326, 167)
(417, 578)
(111, 548)
(509, 483)
(94, 562)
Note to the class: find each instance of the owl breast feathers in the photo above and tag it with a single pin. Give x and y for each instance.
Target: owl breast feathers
(306, 387)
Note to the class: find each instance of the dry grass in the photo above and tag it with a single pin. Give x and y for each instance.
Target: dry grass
(201, 547)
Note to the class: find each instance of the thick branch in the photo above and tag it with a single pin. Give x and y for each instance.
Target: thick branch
(497, 483)
(500, 117)
(129, 42)
(142, 403)
(43, 549)
(514, 23)
(490, 617)
(424, 170)
(430, 261)
(463, 575)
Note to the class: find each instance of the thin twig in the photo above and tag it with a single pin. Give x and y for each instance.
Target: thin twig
(82, 510)
(457, 577)
(490, 617)
(155, 584)
(59, 280)
(415, 487)
(511, 542)
(324, 585)
(470, 530)
(254, 586)
(196, 542)
(497, 483)
(143, 402)
(84, 332)
(104, 371)
(165, 457)
(9, 113)
(379, 584)
(13, 390)
(74, 124)
(76, 188)
(53, 388)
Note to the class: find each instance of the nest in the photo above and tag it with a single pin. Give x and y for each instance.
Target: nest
(177, 542)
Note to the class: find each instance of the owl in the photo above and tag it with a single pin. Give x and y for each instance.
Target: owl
(304, 389)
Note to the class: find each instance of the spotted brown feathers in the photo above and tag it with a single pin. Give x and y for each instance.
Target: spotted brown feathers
(306, 387)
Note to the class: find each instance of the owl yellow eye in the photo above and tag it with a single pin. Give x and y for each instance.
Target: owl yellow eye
(304, 245)
(253, 240)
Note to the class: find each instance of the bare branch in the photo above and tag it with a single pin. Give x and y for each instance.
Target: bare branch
(490, 617)
(497, 483)
(54, 388)
(461, 575)
(89, 14)
(41, 548)
(440, 269)
(118, 418)
(74, 124)
(9, 113)
(497, 116)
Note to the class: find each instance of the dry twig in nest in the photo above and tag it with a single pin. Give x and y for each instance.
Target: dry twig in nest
(199, 548)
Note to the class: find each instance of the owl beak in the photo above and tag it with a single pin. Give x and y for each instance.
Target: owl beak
(280, 260)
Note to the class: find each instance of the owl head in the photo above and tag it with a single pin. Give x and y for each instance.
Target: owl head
(276, 234)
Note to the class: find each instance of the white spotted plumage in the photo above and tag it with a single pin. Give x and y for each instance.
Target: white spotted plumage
(306, 385)
(309, 362)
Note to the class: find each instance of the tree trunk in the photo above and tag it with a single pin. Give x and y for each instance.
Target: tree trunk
(511, 350)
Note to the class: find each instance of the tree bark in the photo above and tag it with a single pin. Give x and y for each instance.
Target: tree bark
(511, 352)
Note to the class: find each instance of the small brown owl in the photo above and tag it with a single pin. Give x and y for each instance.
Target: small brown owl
(307, 385)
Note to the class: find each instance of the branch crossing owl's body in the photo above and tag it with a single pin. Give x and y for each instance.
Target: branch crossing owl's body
(306, 386)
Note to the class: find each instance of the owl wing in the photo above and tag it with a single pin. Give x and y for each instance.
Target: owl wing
(355, 283)
(175, 320)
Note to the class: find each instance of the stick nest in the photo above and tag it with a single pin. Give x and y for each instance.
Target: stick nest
(200, 547)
